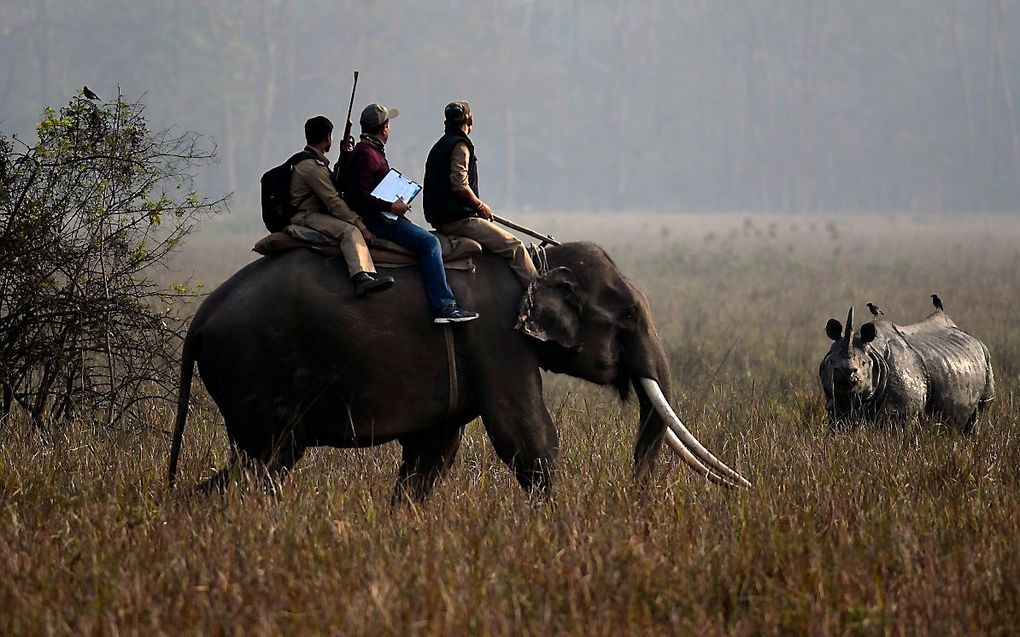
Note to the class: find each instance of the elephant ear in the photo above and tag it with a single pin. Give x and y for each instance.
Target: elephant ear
(551, 309)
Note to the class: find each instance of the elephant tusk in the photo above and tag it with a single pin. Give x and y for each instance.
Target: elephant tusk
(693, 462)
(654, 392)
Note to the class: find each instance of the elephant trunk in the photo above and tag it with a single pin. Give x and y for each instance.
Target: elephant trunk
(650, 432)
(648, 361)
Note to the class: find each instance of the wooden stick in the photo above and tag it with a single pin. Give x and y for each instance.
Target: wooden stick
(528, 231)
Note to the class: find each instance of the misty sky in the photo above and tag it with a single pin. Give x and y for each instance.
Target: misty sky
(658, 105)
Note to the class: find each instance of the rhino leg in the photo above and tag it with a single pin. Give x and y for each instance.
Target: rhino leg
(971, 425)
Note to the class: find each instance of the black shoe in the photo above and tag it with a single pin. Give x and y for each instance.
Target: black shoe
(454, 314)
(365, 284)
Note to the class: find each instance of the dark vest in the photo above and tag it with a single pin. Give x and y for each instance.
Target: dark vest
(440, 203)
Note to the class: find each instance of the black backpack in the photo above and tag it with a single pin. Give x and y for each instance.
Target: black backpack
(276, 208)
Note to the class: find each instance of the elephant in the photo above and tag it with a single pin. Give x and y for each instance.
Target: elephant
(890, 373)
(292, 360)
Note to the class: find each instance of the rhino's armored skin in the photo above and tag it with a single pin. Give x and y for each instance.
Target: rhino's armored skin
(931, 370)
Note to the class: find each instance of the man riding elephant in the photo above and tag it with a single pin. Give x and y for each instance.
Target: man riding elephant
(318, 206)
(451, 198)
(366, 168)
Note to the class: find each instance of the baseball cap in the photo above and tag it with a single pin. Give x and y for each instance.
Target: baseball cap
(457, 112)
(375, 114)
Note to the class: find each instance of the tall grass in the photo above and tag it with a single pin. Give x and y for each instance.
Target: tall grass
(902, 531)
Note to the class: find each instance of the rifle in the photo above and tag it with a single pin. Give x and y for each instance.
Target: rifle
(341, 163)
(545, 238)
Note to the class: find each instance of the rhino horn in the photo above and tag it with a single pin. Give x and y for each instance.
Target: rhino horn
(849, 323)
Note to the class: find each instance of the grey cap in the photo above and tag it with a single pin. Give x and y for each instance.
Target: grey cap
(376, 114)
(457, 112)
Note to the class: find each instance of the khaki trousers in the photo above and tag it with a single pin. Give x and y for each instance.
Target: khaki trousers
(352, 243)
(495, 240)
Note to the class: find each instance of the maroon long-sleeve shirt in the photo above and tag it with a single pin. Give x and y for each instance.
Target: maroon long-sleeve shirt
(366, 168)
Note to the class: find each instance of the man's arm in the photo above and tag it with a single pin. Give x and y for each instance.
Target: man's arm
(317, 178)
(359, 187)
(459, 181)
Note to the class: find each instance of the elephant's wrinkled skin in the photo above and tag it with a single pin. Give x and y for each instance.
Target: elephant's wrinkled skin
(292, 361)
(887, 372)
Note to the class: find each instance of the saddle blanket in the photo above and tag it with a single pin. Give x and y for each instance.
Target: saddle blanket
(457, 251)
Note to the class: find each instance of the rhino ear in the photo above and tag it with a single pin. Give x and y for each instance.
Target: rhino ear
(834, 329)
(551, 310)
(868, 333)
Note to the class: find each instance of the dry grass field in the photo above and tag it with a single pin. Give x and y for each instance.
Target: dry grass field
(905, 531)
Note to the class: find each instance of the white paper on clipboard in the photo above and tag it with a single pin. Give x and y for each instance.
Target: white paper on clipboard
(395, 185)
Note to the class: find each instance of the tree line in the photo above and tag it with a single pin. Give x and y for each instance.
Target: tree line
(602, 104)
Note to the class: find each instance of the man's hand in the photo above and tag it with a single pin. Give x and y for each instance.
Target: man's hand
(398, 207)
(369, 237)
(484, 211)
(347, 146)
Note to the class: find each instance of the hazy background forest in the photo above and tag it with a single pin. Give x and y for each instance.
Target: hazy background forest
(602, 104)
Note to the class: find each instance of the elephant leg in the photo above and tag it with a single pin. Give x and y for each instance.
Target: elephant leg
(269, 470)
(259, 450)
(523, 434)
(427, 456)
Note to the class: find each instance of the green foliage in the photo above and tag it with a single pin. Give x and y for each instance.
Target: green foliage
(88, 213)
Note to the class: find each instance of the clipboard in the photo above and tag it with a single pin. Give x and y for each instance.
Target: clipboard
(395, 185)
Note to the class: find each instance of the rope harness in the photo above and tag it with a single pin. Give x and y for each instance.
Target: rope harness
(451, 368)
(539, 257)
(541, 261)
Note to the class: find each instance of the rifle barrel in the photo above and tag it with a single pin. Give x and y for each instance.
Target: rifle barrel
(526, 230)
(350, 107)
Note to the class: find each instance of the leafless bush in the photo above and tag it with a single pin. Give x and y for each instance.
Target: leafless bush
(88, 214)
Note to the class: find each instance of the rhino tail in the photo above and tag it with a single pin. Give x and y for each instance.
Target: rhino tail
(988, 395)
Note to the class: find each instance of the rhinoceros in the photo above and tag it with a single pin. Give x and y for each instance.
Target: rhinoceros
(930, 370)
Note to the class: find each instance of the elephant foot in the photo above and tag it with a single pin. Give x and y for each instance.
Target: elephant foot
(410, 491)
(536, 479)
(218, 483)
(242, 468)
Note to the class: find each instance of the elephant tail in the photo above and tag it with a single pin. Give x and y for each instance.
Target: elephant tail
(183, 399)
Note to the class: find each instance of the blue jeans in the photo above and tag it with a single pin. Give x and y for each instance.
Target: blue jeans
(426, 246)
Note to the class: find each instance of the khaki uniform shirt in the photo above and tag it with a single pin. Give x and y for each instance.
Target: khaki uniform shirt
(311, 190)
(459, 167)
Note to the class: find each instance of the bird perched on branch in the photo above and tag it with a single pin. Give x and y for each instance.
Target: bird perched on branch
(89, 93)
(875, 310)
(937, 302)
